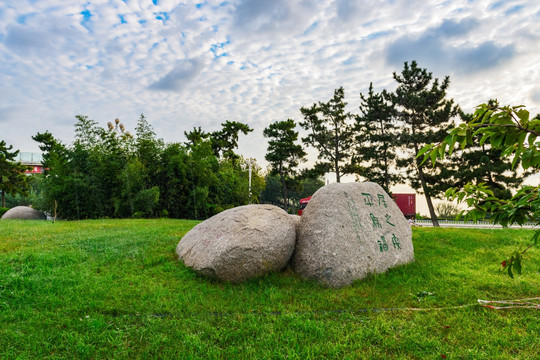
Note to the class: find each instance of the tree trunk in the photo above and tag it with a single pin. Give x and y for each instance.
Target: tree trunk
(385, 156)
(434, 219)
(432, 214)
(284, 192)
(431, 209)
(386, 176)
(336, 153)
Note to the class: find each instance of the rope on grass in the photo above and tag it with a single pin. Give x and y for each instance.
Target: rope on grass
(511, 304)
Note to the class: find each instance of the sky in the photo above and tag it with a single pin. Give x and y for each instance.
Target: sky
(200, 63)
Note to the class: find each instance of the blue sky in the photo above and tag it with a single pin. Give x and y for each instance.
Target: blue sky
(199, 63)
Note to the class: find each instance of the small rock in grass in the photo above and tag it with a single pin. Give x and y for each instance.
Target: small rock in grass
(24, 213)
(240, 243)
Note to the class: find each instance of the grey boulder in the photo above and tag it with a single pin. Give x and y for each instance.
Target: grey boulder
(24, 213)
(349, 230)
(240, 243)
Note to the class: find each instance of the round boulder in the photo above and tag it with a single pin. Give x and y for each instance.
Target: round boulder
(24, 213)
(240, 243)
(349, 230)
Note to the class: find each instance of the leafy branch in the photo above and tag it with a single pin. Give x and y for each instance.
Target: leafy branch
(510, 129)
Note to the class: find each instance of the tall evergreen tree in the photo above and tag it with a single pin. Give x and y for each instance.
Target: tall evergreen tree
(12, 178)
(283, 154)
(225, 141)
(376, 140)
(331, 133)
(425, 115)
(195, 136)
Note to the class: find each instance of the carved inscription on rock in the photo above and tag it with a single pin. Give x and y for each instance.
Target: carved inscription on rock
(351, 230)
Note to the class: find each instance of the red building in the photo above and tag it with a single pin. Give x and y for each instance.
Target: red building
(34, 161)
(406, 203)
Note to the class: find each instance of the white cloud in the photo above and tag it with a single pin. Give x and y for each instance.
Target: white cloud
(185, 65)
(180, 77)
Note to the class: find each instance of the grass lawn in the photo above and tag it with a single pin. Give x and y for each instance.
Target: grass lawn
(114, 289)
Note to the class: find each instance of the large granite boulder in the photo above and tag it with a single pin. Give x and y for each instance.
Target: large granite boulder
(240, 243)
(24, 213)
(349, 230)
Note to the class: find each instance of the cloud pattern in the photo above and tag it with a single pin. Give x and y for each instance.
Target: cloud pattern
(199, 63)
(437, 46)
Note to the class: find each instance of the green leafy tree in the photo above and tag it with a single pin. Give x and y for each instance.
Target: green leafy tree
(147, 147)
(51, 147)
(107, 172)
(306, 186)
(31, 198)
(425, 116)
(136, 192)
(376, 140)
(83, 180)
(330, 132)
(283, 154)
(57, 194)
(234, 187)
(272, 191)
(174, 182)
(225, 141)
(203, 168)
(309, 186)
(196, 136)
(12, 178)
(483, 164)
(512, 130)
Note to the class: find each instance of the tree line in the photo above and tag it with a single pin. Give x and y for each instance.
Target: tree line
(381, 143)
(108, 172)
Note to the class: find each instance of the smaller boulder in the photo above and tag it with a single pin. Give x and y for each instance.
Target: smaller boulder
(240, 243)
(24, 213)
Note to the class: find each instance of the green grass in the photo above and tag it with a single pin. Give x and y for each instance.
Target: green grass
(114, 289)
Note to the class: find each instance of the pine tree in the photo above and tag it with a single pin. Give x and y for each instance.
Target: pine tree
(283, 154)
(376, 140)
(425, 115)
(225, 141)
(331, 133)
(12, 178)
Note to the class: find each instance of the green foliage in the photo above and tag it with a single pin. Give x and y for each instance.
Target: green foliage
(376, 140)
(511, 130)
(482, 164)
(447, 210)
(114, 289)
(12, 178)
(272, 193)
(303, 188)
(225, 141)
(33, 197)
(3, 210)
(283, 154)
(425, 115)
(331, 133)
(107, 172)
